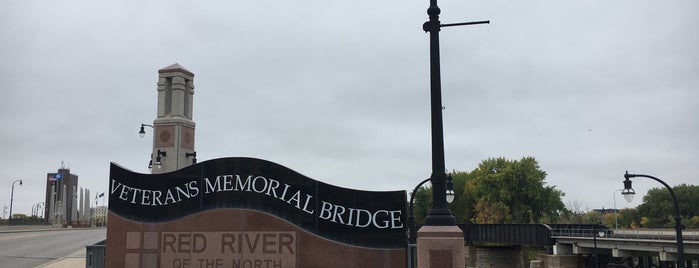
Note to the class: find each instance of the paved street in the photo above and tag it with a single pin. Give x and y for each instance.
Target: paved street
(34, 248)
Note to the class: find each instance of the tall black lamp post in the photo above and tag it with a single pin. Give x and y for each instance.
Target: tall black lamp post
(629, 193)
(439, 213)
(12, 196)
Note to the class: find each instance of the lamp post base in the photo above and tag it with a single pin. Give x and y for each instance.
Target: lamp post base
(440, 247)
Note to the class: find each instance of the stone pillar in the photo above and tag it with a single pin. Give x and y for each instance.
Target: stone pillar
(440, 247)
(471, 256)
(173, 134)
(536, 264)
(562, 249)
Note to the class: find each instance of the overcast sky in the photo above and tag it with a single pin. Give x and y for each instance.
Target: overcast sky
(339, 90)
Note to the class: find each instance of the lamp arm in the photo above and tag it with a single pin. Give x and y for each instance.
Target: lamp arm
(412, 195)
(672, 193)
(411, 217)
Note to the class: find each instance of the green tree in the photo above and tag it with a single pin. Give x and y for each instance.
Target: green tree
(513, 187)
(520, 186)
(659, 208)
(693, 222)
(491, 212)
(462, 207)
(423, 203)
(628, 217)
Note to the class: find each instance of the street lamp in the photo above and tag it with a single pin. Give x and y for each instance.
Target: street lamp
(439, 213)
(12, 196)
(142, 132)
(629, 193)
(412, 233)
(158, 158)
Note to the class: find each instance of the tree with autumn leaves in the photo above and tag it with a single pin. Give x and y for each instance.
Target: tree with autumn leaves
(500, 191)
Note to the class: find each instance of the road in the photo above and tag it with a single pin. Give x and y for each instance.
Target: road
(34, 248)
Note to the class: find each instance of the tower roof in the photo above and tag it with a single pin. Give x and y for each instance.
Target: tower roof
(176, 67)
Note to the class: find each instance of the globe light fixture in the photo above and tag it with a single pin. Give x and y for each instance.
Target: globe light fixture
(142, 132)
(158, 159)
(628, 193)
(450, 190)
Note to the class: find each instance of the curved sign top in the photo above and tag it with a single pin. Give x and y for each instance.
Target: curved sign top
(361, 218)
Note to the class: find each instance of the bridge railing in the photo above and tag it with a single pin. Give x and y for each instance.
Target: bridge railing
(655, 234)
(579, 230)
(511, 234)
(588, 230)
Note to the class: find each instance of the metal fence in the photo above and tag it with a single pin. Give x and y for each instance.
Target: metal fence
(412, 255)
(95, 254)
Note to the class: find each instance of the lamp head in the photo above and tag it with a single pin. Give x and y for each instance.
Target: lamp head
(20, 182)
(158, 158)
(450, 189)
(142, 132)
(628, 191)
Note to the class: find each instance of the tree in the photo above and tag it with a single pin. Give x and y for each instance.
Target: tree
(491, 212)
(628, 218)
(500, 191)
(423, 203)
(659, 208)
(520, 186)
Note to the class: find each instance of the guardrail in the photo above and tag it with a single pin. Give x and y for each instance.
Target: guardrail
(588, 230)
(95, 254)
(655, 234)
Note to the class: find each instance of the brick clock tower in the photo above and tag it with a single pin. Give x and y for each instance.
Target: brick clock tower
(173, 129)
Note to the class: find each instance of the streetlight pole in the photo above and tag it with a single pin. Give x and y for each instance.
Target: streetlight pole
(616, 223)
(439, 213)
(12, 196)
(628, 191)
(595, 233)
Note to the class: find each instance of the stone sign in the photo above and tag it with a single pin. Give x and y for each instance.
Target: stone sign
(245, 212)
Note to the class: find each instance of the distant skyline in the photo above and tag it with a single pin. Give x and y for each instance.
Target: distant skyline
(339, 91)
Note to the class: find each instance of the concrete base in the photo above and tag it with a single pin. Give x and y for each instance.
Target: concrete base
(559, 261)
(440, 247)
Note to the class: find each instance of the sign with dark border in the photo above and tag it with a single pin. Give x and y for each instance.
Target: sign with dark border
(361, 218)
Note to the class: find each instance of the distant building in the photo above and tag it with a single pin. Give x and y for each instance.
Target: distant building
(61, 206)
(606, 210)
(99, 216)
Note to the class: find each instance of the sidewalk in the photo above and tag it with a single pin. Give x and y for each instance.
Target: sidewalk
(75, 260)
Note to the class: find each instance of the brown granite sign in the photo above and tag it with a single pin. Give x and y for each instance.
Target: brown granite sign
(244, 212)
(227, 249)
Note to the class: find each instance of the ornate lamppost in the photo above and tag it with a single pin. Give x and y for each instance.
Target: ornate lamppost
(439, 213)
(629, 193)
